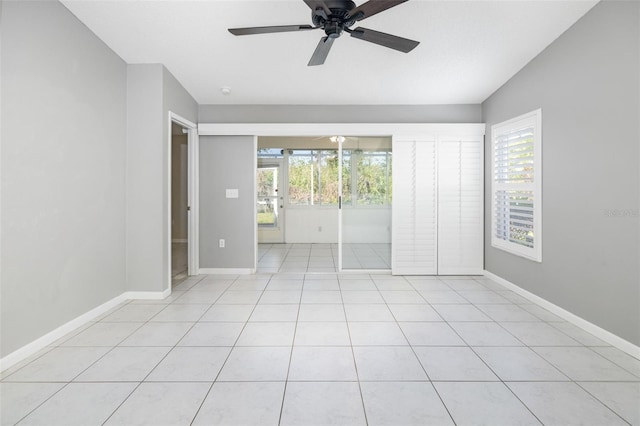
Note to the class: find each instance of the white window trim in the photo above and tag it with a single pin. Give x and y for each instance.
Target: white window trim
(533, 118)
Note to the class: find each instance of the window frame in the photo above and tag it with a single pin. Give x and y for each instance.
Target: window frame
(533, 120)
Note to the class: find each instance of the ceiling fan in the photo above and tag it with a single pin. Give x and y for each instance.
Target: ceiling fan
(336, 17)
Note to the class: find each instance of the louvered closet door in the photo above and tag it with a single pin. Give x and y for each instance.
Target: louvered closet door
(414, 242)
(460, 207)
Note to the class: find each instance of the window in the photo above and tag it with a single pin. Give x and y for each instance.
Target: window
(517, 186)
(313, 177)
(373, 176)
(270, 153)
(301, 177)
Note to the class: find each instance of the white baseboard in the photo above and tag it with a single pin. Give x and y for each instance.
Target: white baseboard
(461, 272)
(147, 295)
(236, 271)
(601, 333)
(29, 349)
(42, 342)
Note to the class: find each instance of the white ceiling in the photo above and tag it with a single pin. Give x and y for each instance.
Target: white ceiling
(467, 50)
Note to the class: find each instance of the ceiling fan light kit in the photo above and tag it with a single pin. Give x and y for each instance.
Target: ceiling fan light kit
(335, 17)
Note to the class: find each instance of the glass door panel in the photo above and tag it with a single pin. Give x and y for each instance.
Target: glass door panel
(365, 214)
(270, 203)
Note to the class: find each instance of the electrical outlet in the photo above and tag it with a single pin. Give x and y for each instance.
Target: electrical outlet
(319, 228)
(221, 243)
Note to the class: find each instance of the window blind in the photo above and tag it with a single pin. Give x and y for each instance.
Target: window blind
(516, 186)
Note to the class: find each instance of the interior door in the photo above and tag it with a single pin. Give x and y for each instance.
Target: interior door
(270, 200)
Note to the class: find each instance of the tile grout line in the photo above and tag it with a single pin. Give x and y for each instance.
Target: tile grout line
(602, 402)
(163, 358)
(611, 361)
(487, 365)
(531, 348)
(112, 348)
(229, 354)
(293, 342)
(416, 355)
(353, 354)
(299, 305)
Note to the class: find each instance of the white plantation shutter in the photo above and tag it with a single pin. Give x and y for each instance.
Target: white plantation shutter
(438, 187)
(514, 217)
(514, 155)
(460, 207)
(414, 249)
(517, 185)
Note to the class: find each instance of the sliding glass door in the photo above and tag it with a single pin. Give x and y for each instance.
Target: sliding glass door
(336, 195)
(365, 207)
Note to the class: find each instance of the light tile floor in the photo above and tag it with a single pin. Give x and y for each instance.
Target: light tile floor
(273, 258)
(326, 349)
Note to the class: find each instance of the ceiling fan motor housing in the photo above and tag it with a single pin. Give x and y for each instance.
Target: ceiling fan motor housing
(338, 20)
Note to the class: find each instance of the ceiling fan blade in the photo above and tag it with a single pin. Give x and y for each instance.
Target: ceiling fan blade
(316, 5)
(372, 7)
(321, 52)
(383, 39)
(268, 30)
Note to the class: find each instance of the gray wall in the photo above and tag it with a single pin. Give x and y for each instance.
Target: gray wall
(62, 171)
(151, 93)
(144, 178)
(175, 98)
(227, 162)
(587, 84)
(340, 114)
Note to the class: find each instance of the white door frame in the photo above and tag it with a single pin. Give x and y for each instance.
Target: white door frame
(192, 197)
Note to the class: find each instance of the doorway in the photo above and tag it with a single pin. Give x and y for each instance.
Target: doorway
(181, 189)
(330, 210)
(179, 203)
